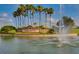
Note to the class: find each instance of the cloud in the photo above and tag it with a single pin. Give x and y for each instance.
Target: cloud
(5, 20)
(5, 14)
(76, 22)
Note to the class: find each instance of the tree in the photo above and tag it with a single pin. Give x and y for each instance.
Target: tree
(51, 31)
(26, 15)
(15, 15)
(30, 8)
(28, 12)
(20, 11)
(50, 11)
(8, 29)
(33, 12)
(39, 9)
(45, 12)
(22, 8)
(34, 23)
(19, 16)
(67, 21)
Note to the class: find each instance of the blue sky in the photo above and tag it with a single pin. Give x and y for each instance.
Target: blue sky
(71, 10)
(10, 8)
(67, 10)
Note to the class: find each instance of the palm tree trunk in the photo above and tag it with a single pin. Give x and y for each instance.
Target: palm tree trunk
(30, 18)
(27, 12)
(15, 22)
(50, 22)
(23, 21)
(45, 19)
(20, 20)
(39, 20)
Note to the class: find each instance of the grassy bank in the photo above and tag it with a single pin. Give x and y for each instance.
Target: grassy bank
(76, 30)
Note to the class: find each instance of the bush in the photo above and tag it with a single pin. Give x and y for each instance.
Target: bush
(8, 29)
(51, 31)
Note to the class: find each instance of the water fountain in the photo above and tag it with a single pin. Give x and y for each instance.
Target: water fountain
(63, 35)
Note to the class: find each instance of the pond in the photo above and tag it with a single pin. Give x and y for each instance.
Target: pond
(26, 45)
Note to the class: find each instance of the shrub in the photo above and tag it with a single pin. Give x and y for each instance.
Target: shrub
(8, 29)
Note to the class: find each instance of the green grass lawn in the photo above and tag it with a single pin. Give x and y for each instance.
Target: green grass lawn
(32, 33)
(76, 30)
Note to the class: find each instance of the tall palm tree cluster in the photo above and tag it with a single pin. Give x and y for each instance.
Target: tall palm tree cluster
(25, 15)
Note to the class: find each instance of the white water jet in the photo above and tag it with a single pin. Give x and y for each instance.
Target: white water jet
(63, 32)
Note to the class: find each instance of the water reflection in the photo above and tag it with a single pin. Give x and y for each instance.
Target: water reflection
(22, 45)
(7, 37)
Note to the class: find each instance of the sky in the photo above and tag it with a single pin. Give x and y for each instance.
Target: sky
(10, 8)
(67, 10)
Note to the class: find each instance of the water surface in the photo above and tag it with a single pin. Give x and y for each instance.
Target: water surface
(24, 45)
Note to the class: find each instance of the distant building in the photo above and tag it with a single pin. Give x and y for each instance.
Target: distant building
(32, 29)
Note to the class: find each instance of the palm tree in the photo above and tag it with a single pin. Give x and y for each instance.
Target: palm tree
(39, 9)
(45, 12)
(15, 15)
(50, 11)
(19, 16)
(20, 13)
(25, 19)
(33, 11)
(21, 10)
(27, 12)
